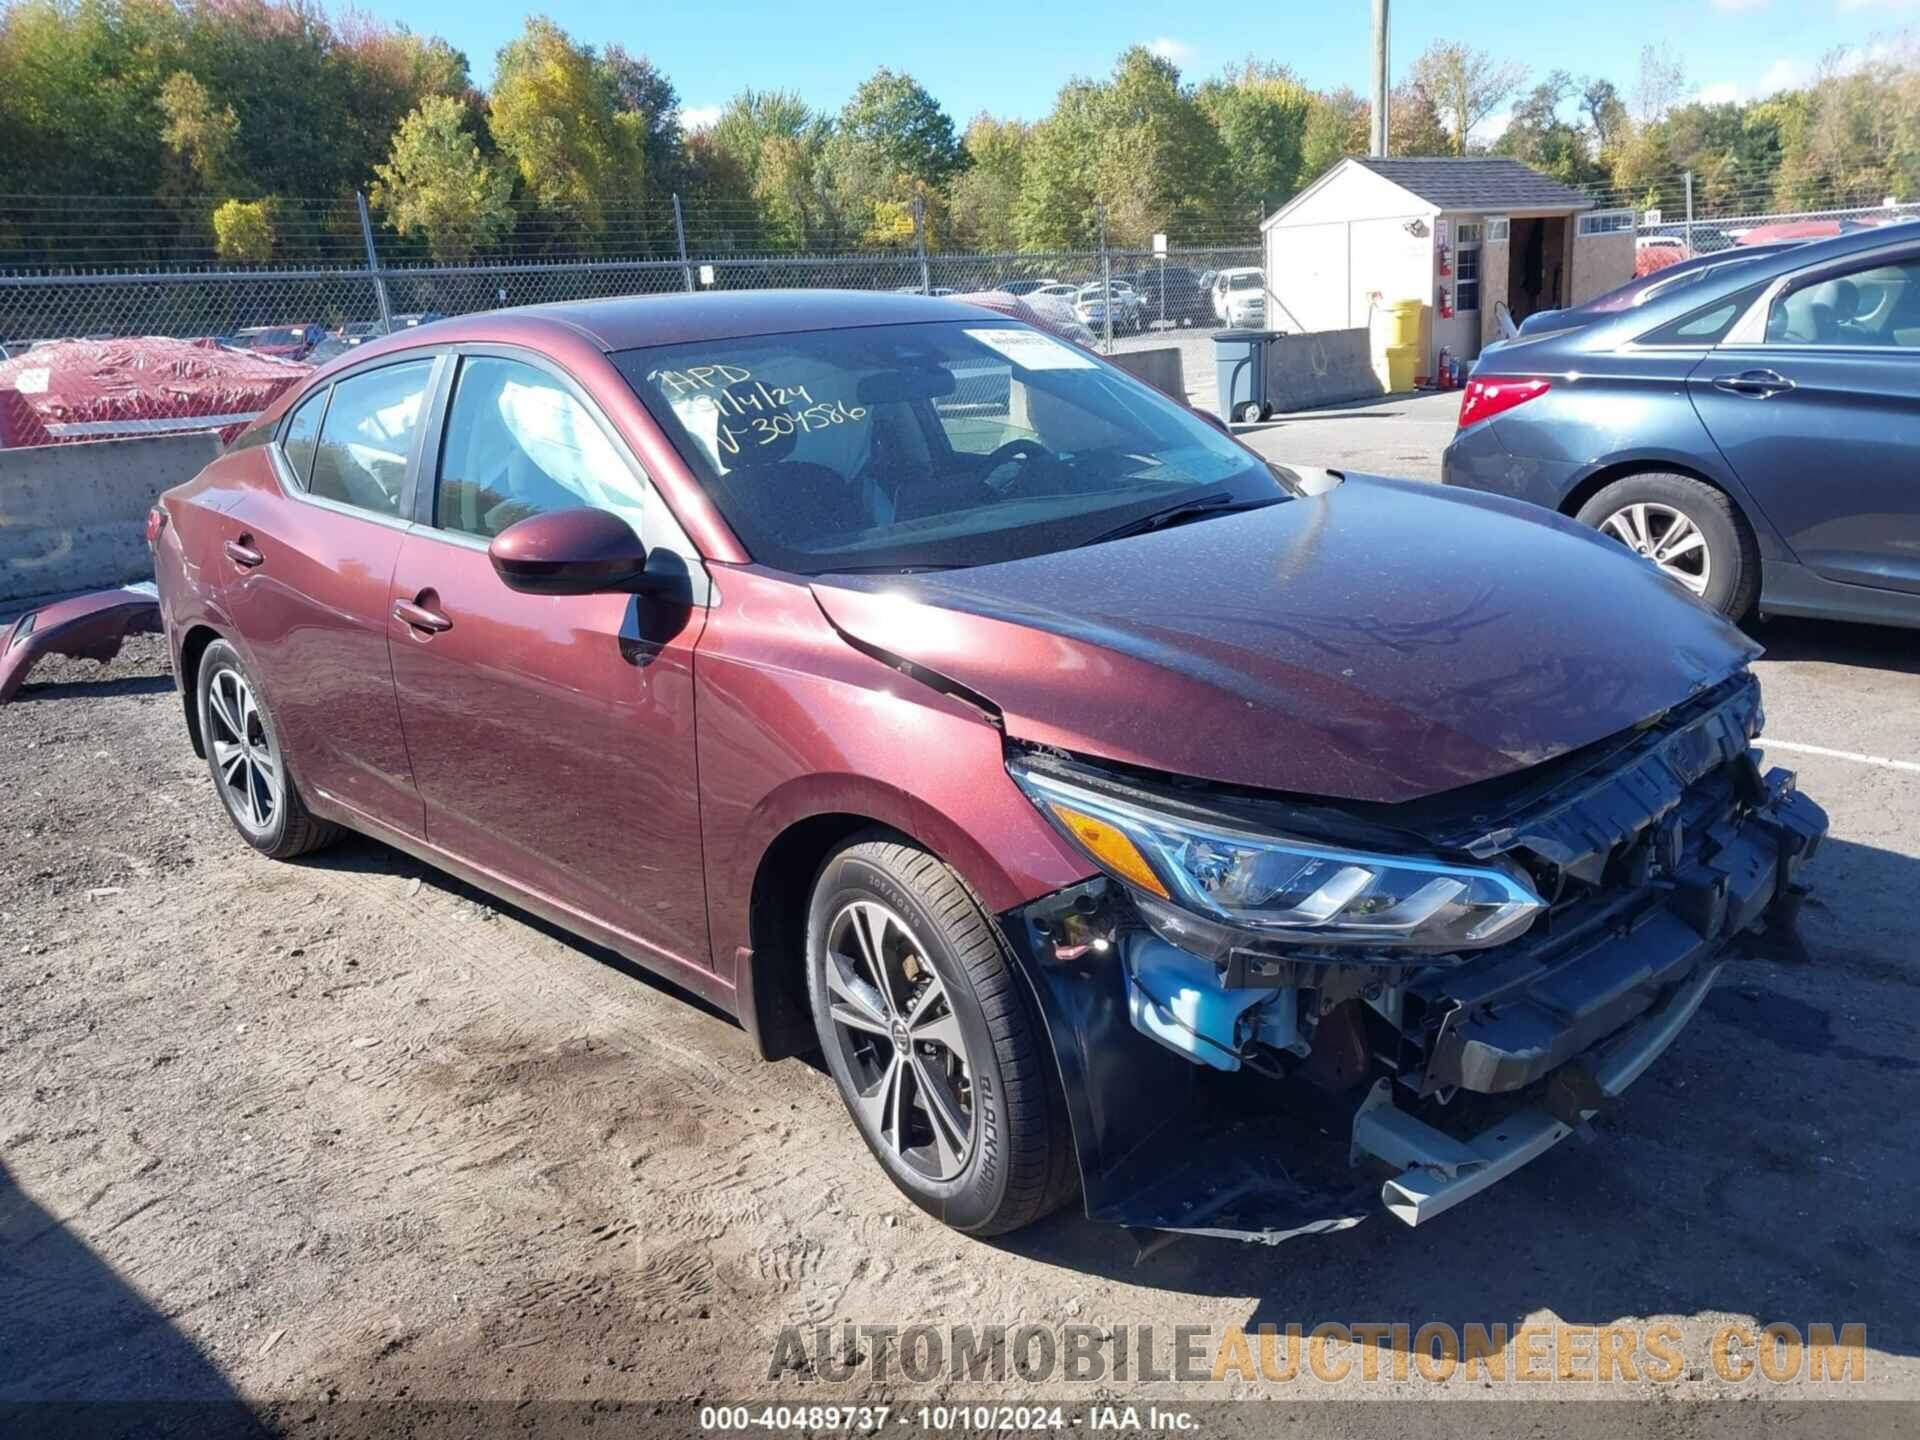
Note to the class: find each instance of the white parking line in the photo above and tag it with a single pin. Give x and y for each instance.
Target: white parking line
(1910, 766)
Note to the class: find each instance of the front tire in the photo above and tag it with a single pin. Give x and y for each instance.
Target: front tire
(1690, 530)
(243, 755)
(932, 1040)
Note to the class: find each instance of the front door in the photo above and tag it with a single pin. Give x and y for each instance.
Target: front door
(307, 582)
(1820, 418)
(551, 736)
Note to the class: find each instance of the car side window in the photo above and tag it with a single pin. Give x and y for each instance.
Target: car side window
(519, 444)
(303, 434)
(1878, 306)
(361, 458)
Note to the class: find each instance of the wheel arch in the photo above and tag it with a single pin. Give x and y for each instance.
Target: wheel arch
(1591, 485)
(773, 991)
(193, 645)
(770, 981)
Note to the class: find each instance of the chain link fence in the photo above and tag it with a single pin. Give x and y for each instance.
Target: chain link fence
(1107, 298)
(1710, 234)
(1150, 292)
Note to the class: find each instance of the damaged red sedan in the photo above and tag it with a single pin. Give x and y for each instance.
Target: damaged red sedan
(1117, 812)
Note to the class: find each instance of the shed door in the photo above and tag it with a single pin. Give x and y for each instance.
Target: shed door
(1307, 277)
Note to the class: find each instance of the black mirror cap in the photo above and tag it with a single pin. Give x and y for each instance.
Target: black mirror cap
(570, 552)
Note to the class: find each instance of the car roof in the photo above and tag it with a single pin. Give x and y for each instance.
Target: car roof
(632, 321)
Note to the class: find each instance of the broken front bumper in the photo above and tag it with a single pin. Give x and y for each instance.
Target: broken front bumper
(1499, 1058)
(89, 627)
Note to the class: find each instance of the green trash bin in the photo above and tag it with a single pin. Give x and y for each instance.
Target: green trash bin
(1240, 370)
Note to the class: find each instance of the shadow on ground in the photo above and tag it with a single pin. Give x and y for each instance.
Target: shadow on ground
(1839, 642)
(85, 1352)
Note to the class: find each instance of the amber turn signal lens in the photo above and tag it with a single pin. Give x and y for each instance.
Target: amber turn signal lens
(1111, 848)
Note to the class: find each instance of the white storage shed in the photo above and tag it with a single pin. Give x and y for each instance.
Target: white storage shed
(1463, 236)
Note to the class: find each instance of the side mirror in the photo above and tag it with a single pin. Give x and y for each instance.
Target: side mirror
(569, 552)
(1214, 420)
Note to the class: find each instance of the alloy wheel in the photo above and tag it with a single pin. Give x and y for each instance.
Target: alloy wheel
(900, 1038)
(1668, 538)
(242, 754)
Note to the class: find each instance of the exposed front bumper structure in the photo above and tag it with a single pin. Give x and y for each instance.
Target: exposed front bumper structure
(1414, 1091)
(1441, 1171)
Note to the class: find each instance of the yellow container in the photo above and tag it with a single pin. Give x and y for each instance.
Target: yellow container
(1400, 363)
(1403, 322)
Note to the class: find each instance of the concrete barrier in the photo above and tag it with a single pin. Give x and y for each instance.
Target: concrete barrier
(1323, 367)
(1160, 368)
(74, 517)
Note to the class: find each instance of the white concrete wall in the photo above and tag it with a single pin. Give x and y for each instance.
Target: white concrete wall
(74, 517)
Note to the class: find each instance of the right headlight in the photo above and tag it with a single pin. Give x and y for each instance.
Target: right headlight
(1282, 888)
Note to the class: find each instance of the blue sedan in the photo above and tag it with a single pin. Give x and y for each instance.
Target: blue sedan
(1751, 426)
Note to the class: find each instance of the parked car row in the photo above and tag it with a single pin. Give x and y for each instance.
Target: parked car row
(1747, 421)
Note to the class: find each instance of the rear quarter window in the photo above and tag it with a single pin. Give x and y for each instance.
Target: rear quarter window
(302, 435)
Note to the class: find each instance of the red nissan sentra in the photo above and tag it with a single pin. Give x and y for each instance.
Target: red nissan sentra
(1249, 850)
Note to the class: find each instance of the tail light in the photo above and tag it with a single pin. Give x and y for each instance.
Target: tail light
(1484, 399)
(156, 522)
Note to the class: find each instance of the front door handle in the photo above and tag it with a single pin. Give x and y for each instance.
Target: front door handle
(420, 617)
(243, 554)
(1756, 384)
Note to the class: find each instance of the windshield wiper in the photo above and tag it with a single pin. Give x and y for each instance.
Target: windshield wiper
(1221, 502)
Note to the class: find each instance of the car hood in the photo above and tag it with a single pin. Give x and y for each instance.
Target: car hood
(1378, 642)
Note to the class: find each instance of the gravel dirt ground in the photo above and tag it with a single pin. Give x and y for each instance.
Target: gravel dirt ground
(346, 1129)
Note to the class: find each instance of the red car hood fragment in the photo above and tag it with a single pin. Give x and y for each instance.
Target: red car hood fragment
(90, 627)
(1381, 642)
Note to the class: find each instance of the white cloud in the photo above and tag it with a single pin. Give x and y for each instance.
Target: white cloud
(1168, 48)
(1789, 72)
(1894, 5)
(698, 117)
(1736, 7)
(1493, 127)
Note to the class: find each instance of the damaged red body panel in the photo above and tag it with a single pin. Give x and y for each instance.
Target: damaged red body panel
(88, 627)
(1324, 647)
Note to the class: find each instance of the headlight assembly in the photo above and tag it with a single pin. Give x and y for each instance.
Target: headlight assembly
(1283, 889)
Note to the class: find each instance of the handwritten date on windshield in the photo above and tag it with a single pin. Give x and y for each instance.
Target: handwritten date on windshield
(770, 412)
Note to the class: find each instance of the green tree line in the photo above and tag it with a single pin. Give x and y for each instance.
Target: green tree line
(241, 129)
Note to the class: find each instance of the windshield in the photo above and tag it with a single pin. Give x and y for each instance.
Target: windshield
(927, 446)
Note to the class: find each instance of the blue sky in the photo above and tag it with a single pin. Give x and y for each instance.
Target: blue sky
(1011, 58)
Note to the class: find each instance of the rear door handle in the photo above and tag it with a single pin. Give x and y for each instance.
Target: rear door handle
(243, 554)
(421, 618)
(1755, 383)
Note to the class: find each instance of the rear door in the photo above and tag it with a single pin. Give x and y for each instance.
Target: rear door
(1814, 400)
(551, 736)
(307, 576)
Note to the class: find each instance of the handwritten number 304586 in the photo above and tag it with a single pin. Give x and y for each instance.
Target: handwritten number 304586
(765, 429)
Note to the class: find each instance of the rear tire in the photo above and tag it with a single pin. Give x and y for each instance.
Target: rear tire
(249, 771)
(1641, 511)
(937, 1052)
